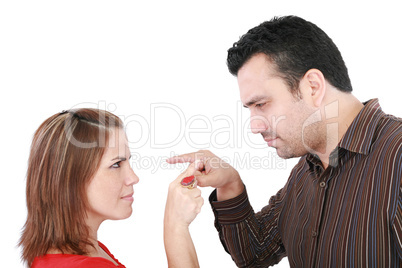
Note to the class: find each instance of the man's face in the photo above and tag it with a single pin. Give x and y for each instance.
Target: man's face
(274, 111)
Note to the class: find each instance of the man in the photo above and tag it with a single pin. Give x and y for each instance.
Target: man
(342, 204)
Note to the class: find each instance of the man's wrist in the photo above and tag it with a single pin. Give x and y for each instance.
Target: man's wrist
(230, 190)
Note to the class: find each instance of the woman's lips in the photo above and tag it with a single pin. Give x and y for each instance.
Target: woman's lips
(128, 197)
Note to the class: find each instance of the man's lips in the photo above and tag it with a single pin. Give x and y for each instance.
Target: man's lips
(270, 141)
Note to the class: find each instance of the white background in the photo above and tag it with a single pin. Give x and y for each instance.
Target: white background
(132, 56)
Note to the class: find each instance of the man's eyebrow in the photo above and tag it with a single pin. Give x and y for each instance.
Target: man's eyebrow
(254, 100)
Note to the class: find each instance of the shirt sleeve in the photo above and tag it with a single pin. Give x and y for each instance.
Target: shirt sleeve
(397, 226)
(252, 239)
(397, 221)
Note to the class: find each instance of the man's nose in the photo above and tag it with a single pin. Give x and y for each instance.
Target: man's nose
(258, 124)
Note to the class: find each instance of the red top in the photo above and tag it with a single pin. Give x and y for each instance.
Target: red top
(75, 261)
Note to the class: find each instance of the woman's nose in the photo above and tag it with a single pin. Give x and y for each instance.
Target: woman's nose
(132, 178)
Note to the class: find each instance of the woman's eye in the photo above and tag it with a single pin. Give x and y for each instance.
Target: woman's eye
(116, 165)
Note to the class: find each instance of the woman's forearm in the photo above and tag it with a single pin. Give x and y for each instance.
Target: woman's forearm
(180, 250)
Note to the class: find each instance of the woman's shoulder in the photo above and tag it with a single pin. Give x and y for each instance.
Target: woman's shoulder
(71, 260)
(68, 260)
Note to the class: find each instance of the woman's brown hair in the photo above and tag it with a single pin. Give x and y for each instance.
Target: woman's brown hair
(65, 154)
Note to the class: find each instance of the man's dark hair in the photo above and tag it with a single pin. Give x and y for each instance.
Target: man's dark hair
(295, 46)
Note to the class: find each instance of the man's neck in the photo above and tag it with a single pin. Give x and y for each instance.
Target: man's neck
(339, 111)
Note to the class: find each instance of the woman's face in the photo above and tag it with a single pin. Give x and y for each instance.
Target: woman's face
(110, 191)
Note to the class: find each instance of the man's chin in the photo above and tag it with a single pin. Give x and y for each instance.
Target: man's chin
(286, 154)
(283, 156)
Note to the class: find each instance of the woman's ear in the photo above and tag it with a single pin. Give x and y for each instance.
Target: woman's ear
(313, 86)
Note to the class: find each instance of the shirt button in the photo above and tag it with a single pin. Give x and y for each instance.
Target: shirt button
(314, 233)
(322, 184)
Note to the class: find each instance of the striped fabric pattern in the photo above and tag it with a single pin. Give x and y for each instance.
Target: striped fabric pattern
(348, 215)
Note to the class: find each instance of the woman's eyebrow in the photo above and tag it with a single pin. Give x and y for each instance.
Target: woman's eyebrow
(121, 158)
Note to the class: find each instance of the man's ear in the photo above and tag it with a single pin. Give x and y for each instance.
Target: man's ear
(313, 86)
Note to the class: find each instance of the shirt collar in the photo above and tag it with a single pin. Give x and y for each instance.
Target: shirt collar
(359, 136)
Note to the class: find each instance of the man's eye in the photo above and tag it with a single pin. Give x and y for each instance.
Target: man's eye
(116, 165)
(259, 105)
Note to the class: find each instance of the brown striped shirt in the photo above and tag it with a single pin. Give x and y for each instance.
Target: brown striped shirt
(348, 215)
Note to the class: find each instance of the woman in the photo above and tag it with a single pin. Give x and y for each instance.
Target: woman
(78, 176)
